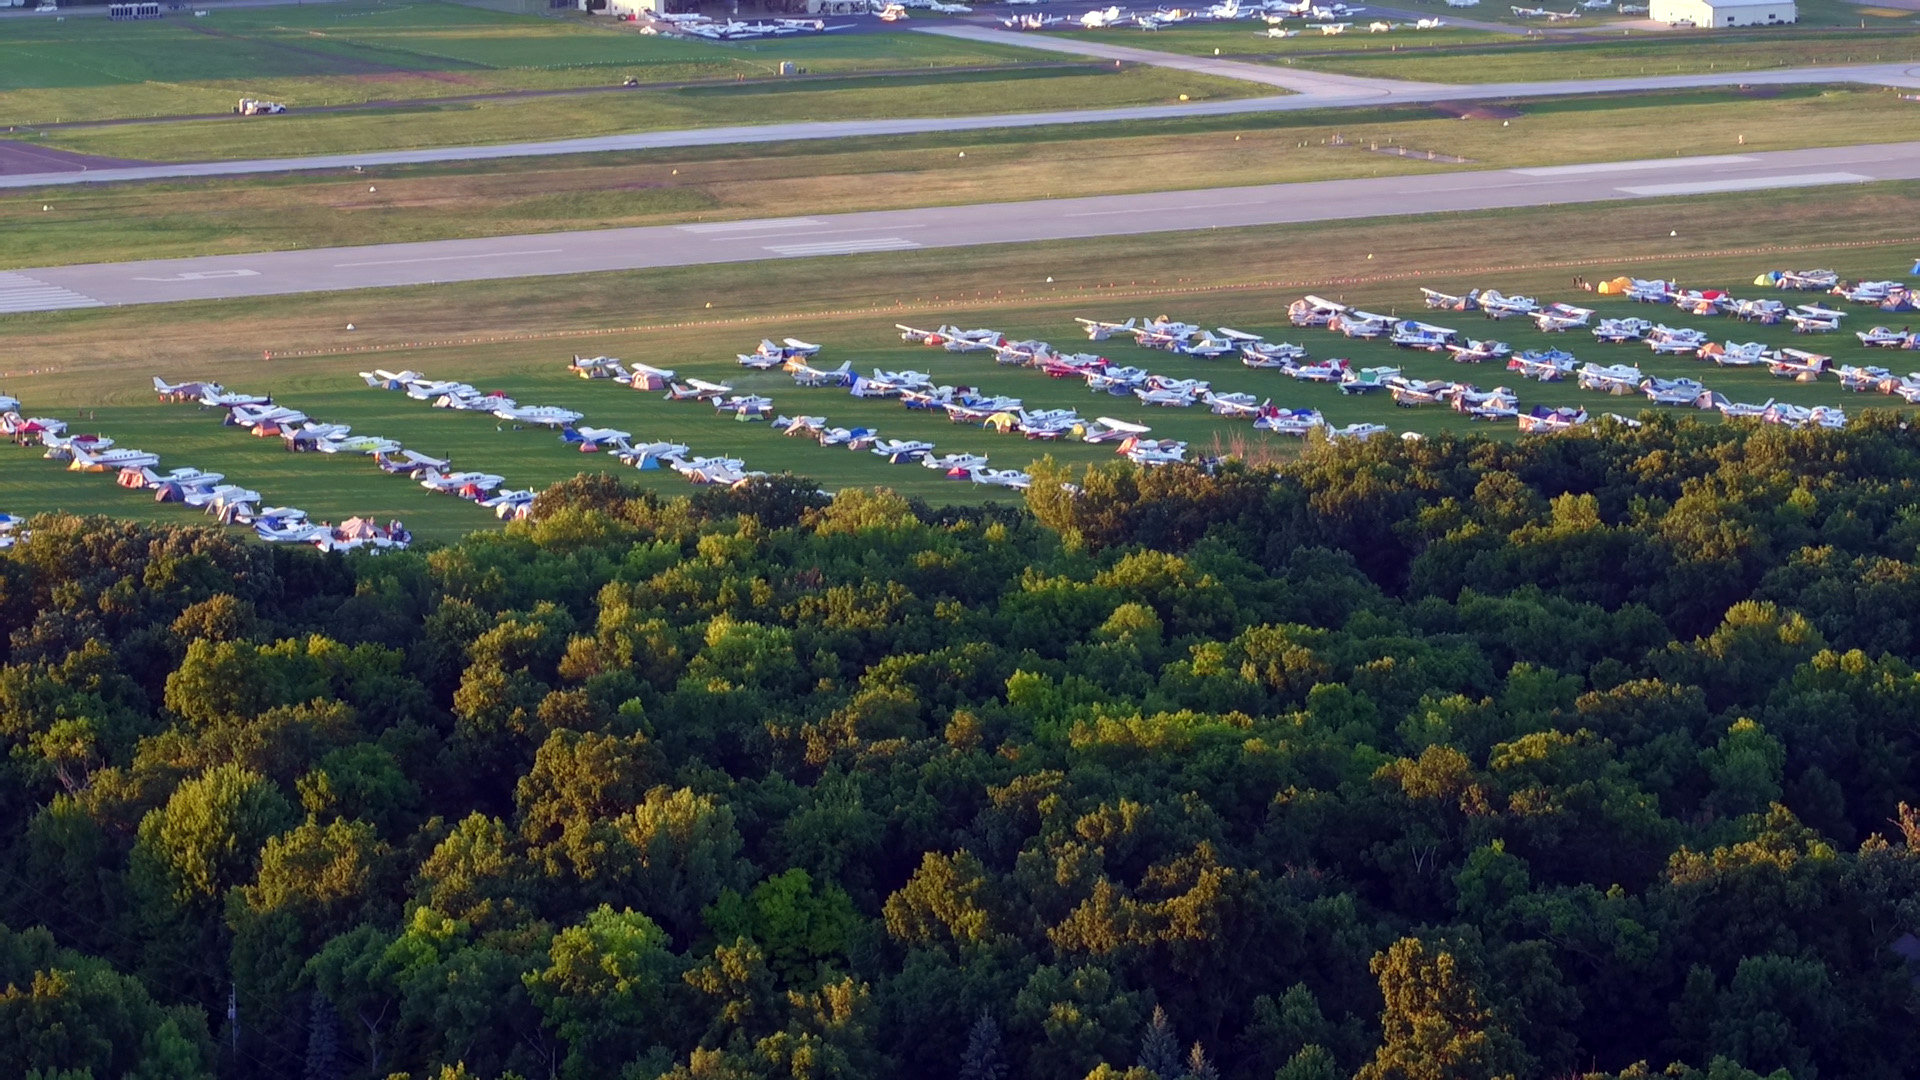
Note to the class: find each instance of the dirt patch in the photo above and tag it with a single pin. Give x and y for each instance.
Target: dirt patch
(18, 159)
(1751, 91)
(1475, 110)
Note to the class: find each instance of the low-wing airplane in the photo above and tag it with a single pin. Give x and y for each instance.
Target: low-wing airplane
(596, 436)
(598, 367)
(1233, 406)
(1702, 301)
(901, 451)
(1107, 429)
(1475, 351)
(1153, 452)
(181, 391)
(1549, 365)
(1764, 312)
(1611, 378)
(1734, 354)
(1861, 379)
(1006, 478)
(1429, 24)
(1649, 291)
(1207, 347)
(957, 466)
(1618, 331)
(1368, 380)
(745, 406)
(1362, 325)
(1173, 399)
(1274, 354)
(1295, 422)
(1673, 391)
(1881, 337)
(1412, 393)
(1117, 380)
(1806, 280)
(1798, 416)
(1675, 341)
(552, 416)
(1329, 371)
(858, 438)
(1869, 292)
(1356, 432)
(1498, 305)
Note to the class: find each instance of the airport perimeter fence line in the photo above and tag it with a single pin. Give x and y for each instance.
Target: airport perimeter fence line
(1113, 292)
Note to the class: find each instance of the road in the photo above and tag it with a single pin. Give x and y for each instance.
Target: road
(334, 269)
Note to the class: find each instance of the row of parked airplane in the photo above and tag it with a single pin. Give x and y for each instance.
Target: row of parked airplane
(702, 26)
(1805, 318)
(1274, 12)
(1885, 295)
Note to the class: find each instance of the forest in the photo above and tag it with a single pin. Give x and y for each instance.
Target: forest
(1590, 756)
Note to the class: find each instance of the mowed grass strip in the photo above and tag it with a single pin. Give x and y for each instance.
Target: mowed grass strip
(515, 120)
(100, 362)
(124, 222)
(1675, 53)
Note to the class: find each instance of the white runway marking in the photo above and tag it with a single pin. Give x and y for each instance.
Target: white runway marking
(18, 292)
(1749, 183)
(1631, 166)
(742, 226)
(845, 247)
(449, 258)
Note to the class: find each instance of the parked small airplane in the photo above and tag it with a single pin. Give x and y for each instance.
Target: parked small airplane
(1419, 335)
(1814, 319)
(1101, 331)
(1550, 365)
(1610, 379)
(1559, 318)
(1734, 354)
(1798, 365)
(807, 375)
(1673, 391)
(1545, 421)
(697, 390)
(1475, 352)
(1881, 337)
(1500, 306)
(1617, 331)
(1440, 301)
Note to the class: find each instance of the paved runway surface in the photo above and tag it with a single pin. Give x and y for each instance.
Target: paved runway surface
(1374, 92)
(330, 269)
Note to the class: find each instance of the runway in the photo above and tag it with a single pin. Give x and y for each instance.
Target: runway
(546, 254)
(1350, 93)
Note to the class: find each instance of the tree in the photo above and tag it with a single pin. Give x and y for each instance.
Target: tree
(982, 1060)
(1436, 1025)
(1160, 1047)
(604, 990)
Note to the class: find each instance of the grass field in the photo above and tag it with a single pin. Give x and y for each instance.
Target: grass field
(342, 53)
(101, 361)
(1629, 53)
(424, 203)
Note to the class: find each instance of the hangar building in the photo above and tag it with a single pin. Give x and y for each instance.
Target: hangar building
(1720, 13)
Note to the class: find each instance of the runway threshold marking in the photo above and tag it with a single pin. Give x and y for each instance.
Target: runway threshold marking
(1633, 166)
(746, 226)
(19, 293)
(448, 258)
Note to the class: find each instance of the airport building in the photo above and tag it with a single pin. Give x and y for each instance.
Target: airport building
(1720, 13)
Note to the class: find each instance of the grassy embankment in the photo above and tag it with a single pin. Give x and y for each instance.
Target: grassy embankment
(64, 363)
(657, 187)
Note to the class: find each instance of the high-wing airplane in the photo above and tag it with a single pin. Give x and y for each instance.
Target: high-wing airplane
(1814, 319)
(697, 390)
(648, 377)
(1296, 422)
(1356, 432)
(1675, 341)
(902, 451)
(1314, 311)
(1411, 393)
(1869, 292)
(1362, 325)
(650, 455)
(182, 391)
(1101, 331)
(1174, 399)
(1152, 452)
(745, 406)
(598, 367)
(1498, 403)
(1798, 365)
(1807, 280)
(1234, 406)
(1861, 379)
(1440, 301)
(1645, 291)
(1559, 318)
(1368, 380)
(1329, 371)
(807, 375)
(1107, 429)
(808, 427)
(1117, 380)
(1271, 354)
(1419, 335)
(1735, 354)
(1006, 478)
(1764, 312)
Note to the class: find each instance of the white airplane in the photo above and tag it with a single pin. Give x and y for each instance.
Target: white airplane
(598, 367)
(1550, 365)
(1860, 380)
(182, 391)
(859, 438)
(1476, 352)
(1107, 429)
(594, 436)
(1500, 306)
(1329, 371)
(1675, 341)
(959, 466)
(1545, 421)
(1362, 325)
(1314, 311)
(1151, 452)
(1265, 354)
(428, 389)
(359, 444)
(1208, 347)
(1807, 280)
(1419, 335)
(1097, 330)
(1596, 5)
(1410, 393)
(1561, 16)
(1797, 416)
(551, 416)
(1329, 29)
(1234, 406)
(1881, 337)
(1281, 32)
(1430, 24)
(1006, 478)
(1649, 291)
(1118, 380)
(901, 451)
(1814, 319)
(263, 416)
(1357, 432)
(1368, 380)
(1559, 318)
(697, 390)
(1440, 301)
(805, 426)
(1334, 11)
(1498, 403)
(1673, 391)
(1734, 354)
(1100, 18)
(1764, 312)
(1798, 365)
(901, 380)
(745, 406)
(223, 400)
(457, 483)
(648, 377)
(894, 13)
(1617, 331)
(410, 462)
(807, 375)
(1296, 422)
(1463, 3)
(1610, 379)
(1737, 410)
(650, 455)
(1379, 26)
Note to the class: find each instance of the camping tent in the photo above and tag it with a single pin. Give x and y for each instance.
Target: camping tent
(357, 529)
